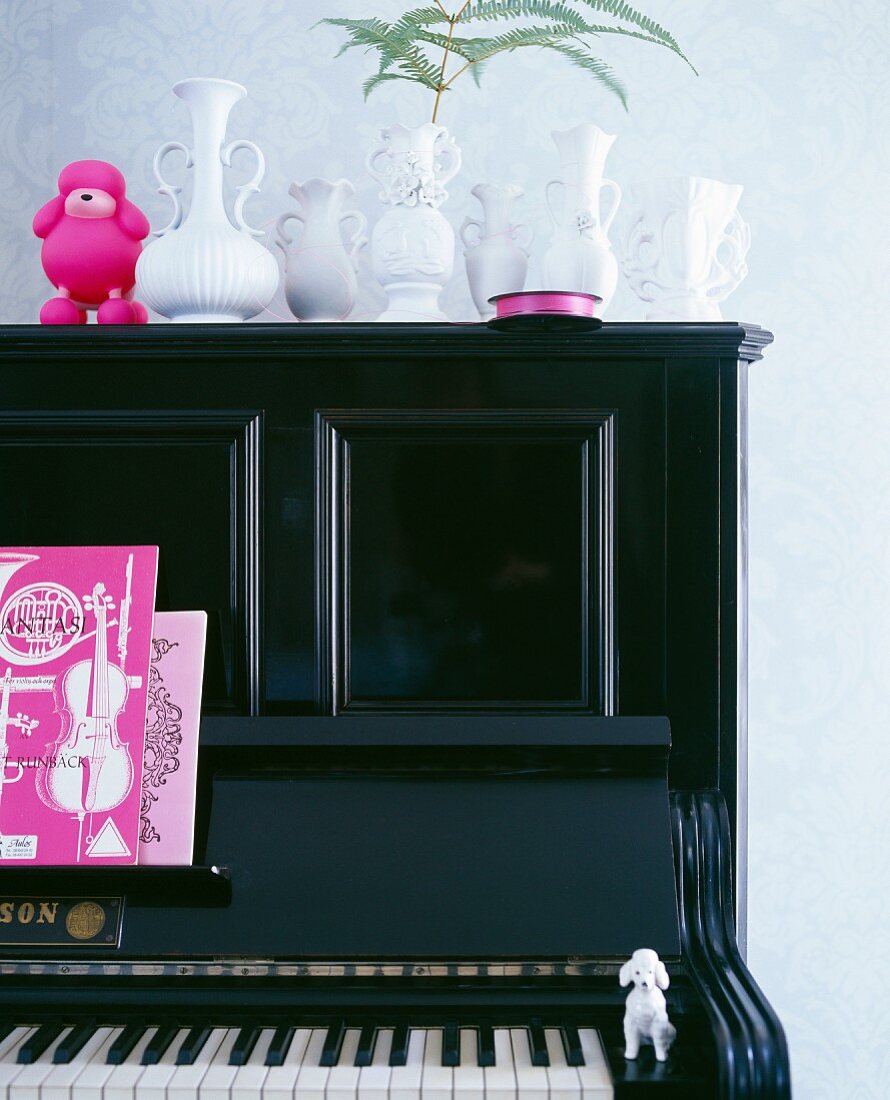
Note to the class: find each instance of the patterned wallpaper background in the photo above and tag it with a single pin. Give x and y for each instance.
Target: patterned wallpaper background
(793, 101)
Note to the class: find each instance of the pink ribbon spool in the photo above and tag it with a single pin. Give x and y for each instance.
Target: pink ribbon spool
(522, 303)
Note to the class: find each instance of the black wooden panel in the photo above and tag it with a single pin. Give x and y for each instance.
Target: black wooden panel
(465, 560)
(187, 483)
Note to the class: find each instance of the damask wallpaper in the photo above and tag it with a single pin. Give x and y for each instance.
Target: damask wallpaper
(793, 101)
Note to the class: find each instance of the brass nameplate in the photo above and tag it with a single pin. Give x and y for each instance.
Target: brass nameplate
(54, 922)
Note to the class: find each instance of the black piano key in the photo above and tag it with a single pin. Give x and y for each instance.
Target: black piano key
(365, 1053)
(398, 1055)
(123, 1045)
(279, 1046)
(451, 1045)
(571, 1042)
(330, 1052)
(6, 1029)
(243, 1046)
(191, 1046)
(485, 1045)
(538, 1041)
(158, 1043)
(73, 1042)
(43, 1037)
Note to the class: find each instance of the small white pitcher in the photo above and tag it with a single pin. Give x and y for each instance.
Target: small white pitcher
(320, 281)
(686, 246)
(495, 249)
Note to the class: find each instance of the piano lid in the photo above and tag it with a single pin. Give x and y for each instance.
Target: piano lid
(465, 842)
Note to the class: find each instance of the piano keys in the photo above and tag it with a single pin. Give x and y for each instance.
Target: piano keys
(252, 1062)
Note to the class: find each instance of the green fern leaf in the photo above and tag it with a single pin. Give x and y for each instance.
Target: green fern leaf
(378, 78)
(394, 49)
(480, 49)
(623, 11)
(598, 69)
(419, 17)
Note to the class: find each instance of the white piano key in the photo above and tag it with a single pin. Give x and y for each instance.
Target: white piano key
(469, 1077)
(26, 1085)
(373, 1082)
(248, 1081)
(122, 1080)
(281, 1081)
(342, 1083)
(500, 1079)
(9, 1049)
(215, 1083)
(531, 1080)
(184, 1083)
(152, 1085)
(438, 1080)
(564, 1082)
(91, 1080)
(312, 1077)
(59, 1083)
(596, 1080)
(404, 1081)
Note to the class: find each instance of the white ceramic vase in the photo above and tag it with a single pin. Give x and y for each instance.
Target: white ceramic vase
(686, 246)
(495, 249)
(202, 267)
(412, 245)
(580, 256)
(320, 270)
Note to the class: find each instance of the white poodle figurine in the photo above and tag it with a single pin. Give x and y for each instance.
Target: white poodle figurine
(645, 1017)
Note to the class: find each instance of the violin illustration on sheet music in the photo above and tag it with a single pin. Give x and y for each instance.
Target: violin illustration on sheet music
(75, 639)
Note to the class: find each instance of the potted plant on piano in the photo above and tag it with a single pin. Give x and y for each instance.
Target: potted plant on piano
(434, 46)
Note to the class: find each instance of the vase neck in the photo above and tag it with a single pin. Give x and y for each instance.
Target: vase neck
(209, 102)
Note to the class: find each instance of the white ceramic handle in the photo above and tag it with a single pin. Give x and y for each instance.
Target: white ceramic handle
(382, 150)
(447, 158)
(610, 185)
(524, 231)
(728, 274)
(282, 221)
(470, 223)
(358, 238)
(549, 201)
(165, 187)
(243, 193)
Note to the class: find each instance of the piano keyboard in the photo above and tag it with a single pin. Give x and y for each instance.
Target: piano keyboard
(51, 1062)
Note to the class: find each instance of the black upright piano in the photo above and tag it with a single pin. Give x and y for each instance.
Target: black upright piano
(474, 722)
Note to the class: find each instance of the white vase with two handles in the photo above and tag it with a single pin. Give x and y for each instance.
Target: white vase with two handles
(320, 282)
(412, 244)
(495, 248)
(203, 267)
(580, 256)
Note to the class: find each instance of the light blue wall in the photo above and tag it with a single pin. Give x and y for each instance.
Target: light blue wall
(793, 101)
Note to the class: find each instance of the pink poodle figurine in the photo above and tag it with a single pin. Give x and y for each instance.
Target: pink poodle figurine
(91, 241)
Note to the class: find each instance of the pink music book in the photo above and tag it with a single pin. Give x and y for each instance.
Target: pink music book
(171, 738)
(75, 642)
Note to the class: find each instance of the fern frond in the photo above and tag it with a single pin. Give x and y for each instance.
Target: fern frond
(623, 11)
(378, 78)
(480, 49)
(419, 17)
(495, 10)
(394, 49)
(598, 69)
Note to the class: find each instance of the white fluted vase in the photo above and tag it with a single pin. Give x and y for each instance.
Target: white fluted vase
(202, 267)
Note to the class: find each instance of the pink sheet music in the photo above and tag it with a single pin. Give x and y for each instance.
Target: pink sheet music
(171, 738)
(75, 642)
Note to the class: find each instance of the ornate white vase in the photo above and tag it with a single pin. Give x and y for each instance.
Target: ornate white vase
(580, 256)
(686, 246)
(204, 268)
(320, 271)
(495, 250)
(412, 245)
